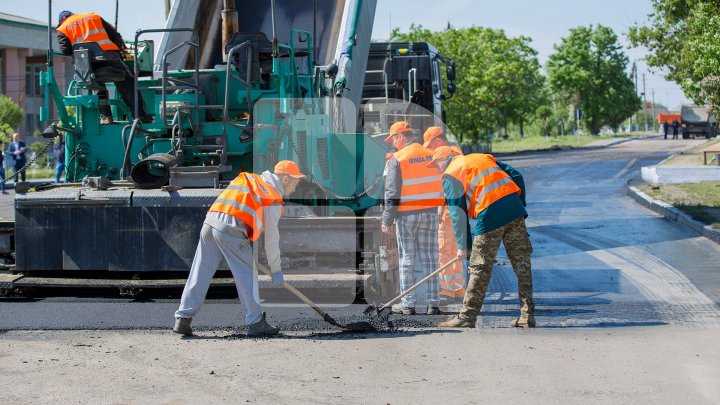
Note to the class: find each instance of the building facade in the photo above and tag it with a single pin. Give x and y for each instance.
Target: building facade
(23, 55)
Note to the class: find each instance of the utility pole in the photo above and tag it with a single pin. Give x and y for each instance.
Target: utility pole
(644, 103)
(635, 75)
(632, 77)
(653, 110)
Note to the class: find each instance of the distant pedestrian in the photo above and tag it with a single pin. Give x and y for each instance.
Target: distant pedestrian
(675, 126)
(2, 167)
(666, 128)
(17, 150)
(59, 152)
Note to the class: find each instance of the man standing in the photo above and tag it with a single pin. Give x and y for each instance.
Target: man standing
(251, 205)
(90, 27)
(666, 128)
(2, 168)
(17, 150)
(493, 193)
(412, 194)
(59, 152)
(452, 279)
(675, 127)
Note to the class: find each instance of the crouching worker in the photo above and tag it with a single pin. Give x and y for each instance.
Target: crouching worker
(493, 193)
(250, 206)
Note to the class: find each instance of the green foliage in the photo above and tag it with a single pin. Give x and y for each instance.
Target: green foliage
(684, 37)
(11, 116)
(42, 160)
(588, 68)
(498, 78)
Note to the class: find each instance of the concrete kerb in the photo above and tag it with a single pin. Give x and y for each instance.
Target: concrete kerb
(673, 214)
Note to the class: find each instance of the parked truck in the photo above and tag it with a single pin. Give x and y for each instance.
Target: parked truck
(697, 122)
(276, 79)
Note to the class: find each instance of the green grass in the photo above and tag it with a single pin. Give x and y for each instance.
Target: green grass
(529, 143)
(36, 173)
(699, 200)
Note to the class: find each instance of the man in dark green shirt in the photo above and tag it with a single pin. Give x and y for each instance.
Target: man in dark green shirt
(493, 193)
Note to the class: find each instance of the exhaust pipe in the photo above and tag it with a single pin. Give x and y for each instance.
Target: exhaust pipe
(229, 24)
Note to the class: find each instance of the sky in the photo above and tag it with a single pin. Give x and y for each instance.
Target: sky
(546, 22)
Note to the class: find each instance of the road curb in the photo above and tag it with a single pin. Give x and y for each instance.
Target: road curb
(673, 214)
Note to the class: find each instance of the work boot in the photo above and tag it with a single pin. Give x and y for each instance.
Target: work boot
(262, 328)
(433, 310)
(459, 321)
(527, 315)
(182, 326)
(402, 310)
(106, 120)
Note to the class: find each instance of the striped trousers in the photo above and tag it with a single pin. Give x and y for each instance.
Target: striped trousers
(417, 235)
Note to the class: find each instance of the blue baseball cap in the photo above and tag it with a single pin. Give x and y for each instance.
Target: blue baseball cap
(63, 15)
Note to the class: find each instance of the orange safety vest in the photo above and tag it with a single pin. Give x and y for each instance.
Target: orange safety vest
(87, 28)
(421, 187)
(484, 182)
(244, 199)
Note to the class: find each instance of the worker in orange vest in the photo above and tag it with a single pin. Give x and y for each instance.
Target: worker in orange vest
(493, 193)
(452, 279)
(412, 194)
(90, 27)
(250, 206)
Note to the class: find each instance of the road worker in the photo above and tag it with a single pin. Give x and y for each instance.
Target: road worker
(250, 206)
(492, 193)
(89, 27)
(452, 279)
(412, 194)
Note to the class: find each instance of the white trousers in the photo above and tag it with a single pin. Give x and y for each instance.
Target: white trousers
(237, 251)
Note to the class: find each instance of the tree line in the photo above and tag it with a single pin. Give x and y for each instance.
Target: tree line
(500, 82)
(683, 39)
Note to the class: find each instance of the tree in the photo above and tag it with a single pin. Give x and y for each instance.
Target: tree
(589, 67)
(498, 78)
(682, 36)
(11, 116)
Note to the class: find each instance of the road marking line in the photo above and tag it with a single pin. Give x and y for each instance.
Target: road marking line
(624, 169)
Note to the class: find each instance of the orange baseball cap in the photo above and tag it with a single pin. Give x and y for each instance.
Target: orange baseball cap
(289, 168)
(397, 128)
(442, 153)
(430, 134)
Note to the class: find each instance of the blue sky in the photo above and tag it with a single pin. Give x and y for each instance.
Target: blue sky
(546, 22)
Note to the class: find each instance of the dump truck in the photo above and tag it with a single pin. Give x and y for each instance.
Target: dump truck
(282, 79)
(697, 122)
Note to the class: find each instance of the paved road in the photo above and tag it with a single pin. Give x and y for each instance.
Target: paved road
(600, 260)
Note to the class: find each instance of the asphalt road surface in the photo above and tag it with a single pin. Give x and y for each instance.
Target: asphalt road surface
(600, 260)
(627, 309)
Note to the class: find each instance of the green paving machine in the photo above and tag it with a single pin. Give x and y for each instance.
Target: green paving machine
(283, 79)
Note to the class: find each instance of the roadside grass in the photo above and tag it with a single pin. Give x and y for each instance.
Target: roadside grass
(35, 173)
(529, 143)
(699, 200)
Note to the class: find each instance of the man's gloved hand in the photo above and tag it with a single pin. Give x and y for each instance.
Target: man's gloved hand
(277, 279)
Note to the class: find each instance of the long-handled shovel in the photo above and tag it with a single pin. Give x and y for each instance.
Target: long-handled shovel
(379, 310)
(354, 326)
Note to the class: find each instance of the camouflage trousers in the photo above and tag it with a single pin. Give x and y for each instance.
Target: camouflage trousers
(484, 249)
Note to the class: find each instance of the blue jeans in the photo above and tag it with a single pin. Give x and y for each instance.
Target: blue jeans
(2, 174)
(59, 168)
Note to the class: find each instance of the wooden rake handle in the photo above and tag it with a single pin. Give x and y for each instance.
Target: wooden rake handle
(418, 284)
(295, 291)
